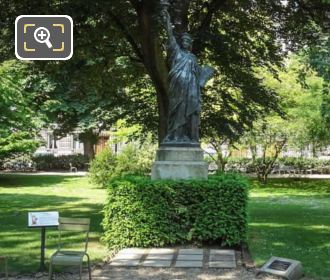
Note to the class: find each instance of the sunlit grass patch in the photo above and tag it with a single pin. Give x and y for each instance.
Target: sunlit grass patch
(291, 218)
(71, 196)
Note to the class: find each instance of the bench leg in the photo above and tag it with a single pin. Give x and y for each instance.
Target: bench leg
(89, 268)
(50, 271)
(6, 269)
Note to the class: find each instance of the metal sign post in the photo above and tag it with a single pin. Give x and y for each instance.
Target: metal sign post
(42, 249)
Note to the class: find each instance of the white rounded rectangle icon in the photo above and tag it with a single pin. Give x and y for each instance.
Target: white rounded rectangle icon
(43, 37)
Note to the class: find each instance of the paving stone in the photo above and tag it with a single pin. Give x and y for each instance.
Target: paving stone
(182, 257)
(159, 257)
(162, 251)
(222, 258)
(222, 264)
(132, 251)
(125, 263)
(191, 251)
(188, 264)
(157, 263)
(128, 257)
(222, 252)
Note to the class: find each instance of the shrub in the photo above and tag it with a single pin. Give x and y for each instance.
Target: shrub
(135, 159)
(300, 164)
(51, 162)
(21, 162)
(240, 164)
(141, 212)
(132, 160)
(103, 167)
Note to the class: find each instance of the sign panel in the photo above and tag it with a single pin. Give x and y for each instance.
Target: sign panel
(43, 219)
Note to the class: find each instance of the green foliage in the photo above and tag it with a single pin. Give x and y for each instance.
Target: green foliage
(140, 212)
(102, 167)
(51, 162)
(240, 163)
(300, 164)
(17, 143)
(300, 124)
(18, 162)
(301, 93)
(119, 68)
(133, 159)
(18, 120)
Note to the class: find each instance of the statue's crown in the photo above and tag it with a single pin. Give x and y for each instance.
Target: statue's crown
(186, 36)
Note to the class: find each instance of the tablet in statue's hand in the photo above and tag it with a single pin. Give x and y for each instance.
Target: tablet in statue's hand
(205, 74)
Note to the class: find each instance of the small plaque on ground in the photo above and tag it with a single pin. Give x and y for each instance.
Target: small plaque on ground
(286, 268)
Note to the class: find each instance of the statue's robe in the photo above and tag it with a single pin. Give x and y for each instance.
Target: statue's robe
(184, 94)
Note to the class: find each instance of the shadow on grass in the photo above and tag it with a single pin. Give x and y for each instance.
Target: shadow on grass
(22, 244)
(292, 226)
(310, 245)
(20, 202)
(13, 180)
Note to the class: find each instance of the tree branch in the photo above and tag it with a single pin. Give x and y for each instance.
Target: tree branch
(213, 7)
(127, 35)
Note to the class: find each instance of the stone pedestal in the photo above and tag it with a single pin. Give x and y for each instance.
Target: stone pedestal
(179, 163)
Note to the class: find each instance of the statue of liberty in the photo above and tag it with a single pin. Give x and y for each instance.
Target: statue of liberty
(186, 79)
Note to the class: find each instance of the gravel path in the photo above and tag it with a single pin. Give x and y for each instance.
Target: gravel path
(117, 273)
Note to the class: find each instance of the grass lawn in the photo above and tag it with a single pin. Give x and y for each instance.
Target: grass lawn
(291, 218)
(287, 218)
(71, 196)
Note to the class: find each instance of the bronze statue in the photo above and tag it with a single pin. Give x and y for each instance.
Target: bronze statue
(186, 79)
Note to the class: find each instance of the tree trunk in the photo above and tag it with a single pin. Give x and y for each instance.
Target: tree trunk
(154, 60)
(89, 148)
(89, 139)
(314, 150)
(153, 54)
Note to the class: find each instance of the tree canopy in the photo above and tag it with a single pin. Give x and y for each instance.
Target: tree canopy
(119, 68)
(19, 121)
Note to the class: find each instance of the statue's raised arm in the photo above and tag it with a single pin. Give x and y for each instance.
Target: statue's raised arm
(171, 41)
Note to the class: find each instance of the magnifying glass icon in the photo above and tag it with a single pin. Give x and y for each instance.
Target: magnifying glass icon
(41, 35)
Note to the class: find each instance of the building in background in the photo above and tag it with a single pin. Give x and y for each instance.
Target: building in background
(68, 145)
(71, 144)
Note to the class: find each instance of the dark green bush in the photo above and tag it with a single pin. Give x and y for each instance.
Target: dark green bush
(141, 212)
(51, 162)
(18, 162)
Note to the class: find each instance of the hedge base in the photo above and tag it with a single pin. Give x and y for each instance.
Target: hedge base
(141, 212)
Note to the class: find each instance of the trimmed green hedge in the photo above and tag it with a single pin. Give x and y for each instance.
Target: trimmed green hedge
(141, 212)
(62, 162)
